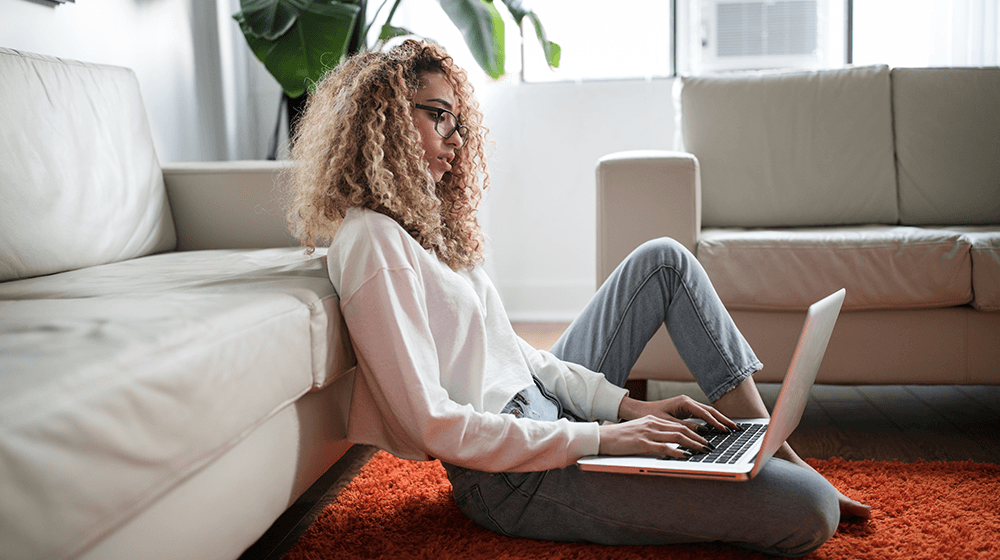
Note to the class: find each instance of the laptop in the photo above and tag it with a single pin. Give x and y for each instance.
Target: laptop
(740, 456)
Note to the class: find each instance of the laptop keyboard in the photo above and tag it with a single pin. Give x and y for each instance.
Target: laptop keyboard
(729, 447)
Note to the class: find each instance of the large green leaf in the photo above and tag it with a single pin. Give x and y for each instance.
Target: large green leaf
(270, 19)
(390, 31)
(553, 52)
(519, 10)
(482, 27)
(314, 44)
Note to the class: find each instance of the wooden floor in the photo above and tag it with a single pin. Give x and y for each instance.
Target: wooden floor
(883, 422)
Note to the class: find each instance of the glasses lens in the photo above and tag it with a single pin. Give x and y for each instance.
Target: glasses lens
(446, 124)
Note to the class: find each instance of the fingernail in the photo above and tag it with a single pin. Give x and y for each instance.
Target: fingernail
(708, 447)
(688, 453)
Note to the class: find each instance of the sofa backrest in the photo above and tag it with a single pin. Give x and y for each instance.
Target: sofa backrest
(947, 123)
(792, 149)
(80, 183)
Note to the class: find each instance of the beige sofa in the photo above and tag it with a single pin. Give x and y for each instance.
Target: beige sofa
(793, 185)
(173, 370)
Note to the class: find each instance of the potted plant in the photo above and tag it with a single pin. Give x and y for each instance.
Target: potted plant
(300, 40)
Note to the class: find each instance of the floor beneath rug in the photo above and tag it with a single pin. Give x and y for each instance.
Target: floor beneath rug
(287, 529)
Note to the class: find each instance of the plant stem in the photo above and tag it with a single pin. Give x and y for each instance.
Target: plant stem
(368, 26)
(387, 19)
(392, 12)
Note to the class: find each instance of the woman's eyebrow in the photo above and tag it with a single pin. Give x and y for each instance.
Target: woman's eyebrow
(442, 102)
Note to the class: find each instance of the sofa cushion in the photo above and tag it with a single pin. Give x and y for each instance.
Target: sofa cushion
(947, 144)
(283, 271)
(108, 402)
(79, 179)
(985, 242)
(134, 375)
(796, 149)
(882, 267)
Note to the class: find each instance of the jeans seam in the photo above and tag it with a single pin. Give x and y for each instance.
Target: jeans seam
(734, 376)
(621, 319)
(477, 492)
(711, 335)
(516, 489)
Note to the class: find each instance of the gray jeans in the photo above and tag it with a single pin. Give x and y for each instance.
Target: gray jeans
(785, 510)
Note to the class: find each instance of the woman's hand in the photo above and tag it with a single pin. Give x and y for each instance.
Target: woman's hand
(650, 434)
(653, 426)
(677, 408)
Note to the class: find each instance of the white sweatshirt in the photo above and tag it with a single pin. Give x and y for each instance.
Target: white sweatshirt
(438, 360)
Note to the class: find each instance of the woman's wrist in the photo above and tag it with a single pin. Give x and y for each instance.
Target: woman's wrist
(630, 409)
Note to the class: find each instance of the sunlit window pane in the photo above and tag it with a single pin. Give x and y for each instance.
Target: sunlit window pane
(926, 32)
(601, 39)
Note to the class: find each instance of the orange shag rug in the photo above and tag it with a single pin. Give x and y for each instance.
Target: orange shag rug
(403, 509)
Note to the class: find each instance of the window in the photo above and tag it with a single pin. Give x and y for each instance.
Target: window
(658, 38)
(643, 39)
(725, 35)
(926, 32)
(602, 40)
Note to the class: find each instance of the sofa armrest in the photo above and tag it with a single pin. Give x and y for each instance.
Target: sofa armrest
(227, 205)
(643, 195)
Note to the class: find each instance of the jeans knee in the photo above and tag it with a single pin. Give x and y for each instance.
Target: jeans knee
(662, 251)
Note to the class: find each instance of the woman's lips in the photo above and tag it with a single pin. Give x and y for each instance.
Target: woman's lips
(446, 162)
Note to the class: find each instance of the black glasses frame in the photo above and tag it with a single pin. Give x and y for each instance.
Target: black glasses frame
(463, 131)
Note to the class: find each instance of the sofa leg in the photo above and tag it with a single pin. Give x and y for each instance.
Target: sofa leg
(636, 388)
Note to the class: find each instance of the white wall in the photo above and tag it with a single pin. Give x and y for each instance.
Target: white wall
(172, 45)
(540, 215)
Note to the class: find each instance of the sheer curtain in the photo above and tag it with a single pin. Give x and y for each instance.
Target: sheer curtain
(973, 33)
(927, 32)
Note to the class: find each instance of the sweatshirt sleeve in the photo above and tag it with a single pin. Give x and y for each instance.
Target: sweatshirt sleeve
(388, 320)
(587, 394)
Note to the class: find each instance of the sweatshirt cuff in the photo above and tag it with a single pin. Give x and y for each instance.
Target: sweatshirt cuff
(587, 440)
(607, 400)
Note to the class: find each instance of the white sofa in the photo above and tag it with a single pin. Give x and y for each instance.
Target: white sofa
(793, 185)
(173, 370)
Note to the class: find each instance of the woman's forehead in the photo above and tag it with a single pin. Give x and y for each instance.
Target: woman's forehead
(435, 87)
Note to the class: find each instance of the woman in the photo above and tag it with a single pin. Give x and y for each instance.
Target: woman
(390, 166)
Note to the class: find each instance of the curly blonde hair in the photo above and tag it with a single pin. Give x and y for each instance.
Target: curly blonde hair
(357, 146)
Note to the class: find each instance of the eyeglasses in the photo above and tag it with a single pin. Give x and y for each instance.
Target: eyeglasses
(446, 123)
